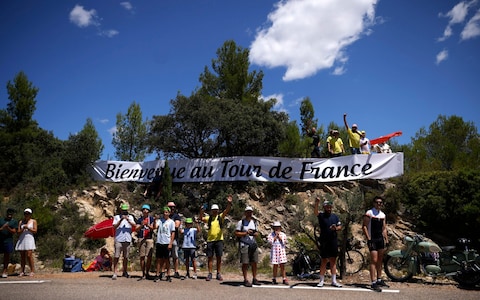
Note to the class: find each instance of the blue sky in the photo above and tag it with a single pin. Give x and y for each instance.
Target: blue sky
(390, 65)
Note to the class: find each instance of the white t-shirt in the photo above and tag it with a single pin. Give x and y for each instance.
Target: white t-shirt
(242, 225)
(123, 233)
(165, 229)
(365, 148)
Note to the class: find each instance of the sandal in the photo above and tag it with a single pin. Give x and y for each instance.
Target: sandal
(31, 274)
(21, 274)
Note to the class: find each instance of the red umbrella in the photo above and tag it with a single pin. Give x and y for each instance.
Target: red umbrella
(385, 138)
(101, 230)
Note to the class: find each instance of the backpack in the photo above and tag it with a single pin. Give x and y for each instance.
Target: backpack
(252, 243)
(220, 221)
(72, 264)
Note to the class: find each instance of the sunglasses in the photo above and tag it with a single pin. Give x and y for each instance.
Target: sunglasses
(379, 202)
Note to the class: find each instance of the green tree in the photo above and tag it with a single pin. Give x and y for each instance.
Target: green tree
(131, 136)
(292, 145)
(449, 144)
(22, 105)
(81, 150)
(225, 117)
(307, 116)
(230, 78)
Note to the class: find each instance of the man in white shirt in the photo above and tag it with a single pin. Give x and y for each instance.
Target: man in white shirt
(123, 224)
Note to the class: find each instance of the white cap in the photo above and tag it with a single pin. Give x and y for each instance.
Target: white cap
(27, 210)
(215, 206)
(248, 208)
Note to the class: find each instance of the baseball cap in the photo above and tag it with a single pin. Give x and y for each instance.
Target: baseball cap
(215, 206)
(27, 210)
(327, 203)
(146, 206)
(248, 208)
(189, 220)
(171, 203)
(363, 132)
(354, 125)
(124, 206)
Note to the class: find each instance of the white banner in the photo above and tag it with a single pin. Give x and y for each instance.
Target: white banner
(245, 168)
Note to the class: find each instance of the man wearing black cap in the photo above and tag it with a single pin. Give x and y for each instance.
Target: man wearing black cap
(8, 226)
(329, 224)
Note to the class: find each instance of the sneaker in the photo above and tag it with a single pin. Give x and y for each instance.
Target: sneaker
(21, 274)
(247, 283)
(169, 278)
(219, 277)
(376, 288)
(125, 274)
(114, 277)
(380, 282)
(194, 276)
(162, 275)
(4, 275)
(274, 281)
(176, 275)
(285, 281)
(209, 277)
(141, 278)
(336, 284)
(255, 281)
(156, 279)
(320, 284)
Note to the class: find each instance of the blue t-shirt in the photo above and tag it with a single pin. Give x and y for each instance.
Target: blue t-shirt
(5, 235)
(325, 221)
(189, 238)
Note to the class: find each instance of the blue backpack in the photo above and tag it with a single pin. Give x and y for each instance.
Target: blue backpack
(72, 264)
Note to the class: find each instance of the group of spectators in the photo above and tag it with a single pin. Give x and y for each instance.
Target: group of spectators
(358, 143)
(25, 228)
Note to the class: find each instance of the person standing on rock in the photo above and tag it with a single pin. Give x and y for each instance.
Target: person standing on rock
(329, 224)
(123, 224)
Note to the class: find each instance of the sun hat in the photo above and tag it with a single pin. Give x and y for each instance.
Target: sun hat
(215, 206)
(248, 208)
(276, 224)
(189, 220)
(327, 203)
(146, 206)
(171, 203)
(27, 210)
(124, 206)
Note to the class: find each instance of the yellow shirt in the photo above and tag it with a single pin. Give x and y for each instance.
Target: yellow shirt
(353, 138)
(215, 233)
(335, 144)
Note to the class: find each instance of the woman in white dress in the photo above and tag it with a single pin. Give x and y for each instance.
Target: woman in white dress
(27, 227)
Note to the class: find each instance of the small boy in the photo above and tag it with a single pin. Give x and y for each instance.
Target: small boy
(190, 245)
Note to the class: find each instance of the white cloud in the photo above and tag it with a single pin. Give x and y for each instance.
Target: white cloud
(310, 35)
(443, 55)
(103, 121)
(108, 33)
(112, 130)
(472, 29)
(127, 5)
(83, 18)
(279, 105)
(456, 15)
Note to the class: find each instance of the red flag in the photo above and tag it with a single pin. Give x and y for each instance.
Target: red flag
(385, 138)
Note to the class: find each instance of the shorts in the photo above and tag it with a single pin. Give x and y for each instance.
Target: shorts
(122, 247)
(6, 246)
(247, 256)
(145, 248)
(355, 150)
(162, 251)
(188, 253)
(376, 244)
(214, 247)
(328, 249)
(174, 252)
